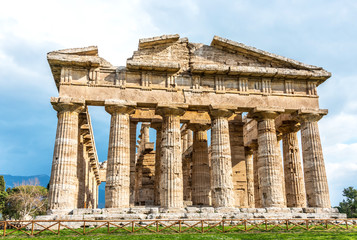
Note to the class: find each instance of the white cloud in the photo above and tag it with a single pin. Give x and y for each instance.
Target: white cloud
(115, 26)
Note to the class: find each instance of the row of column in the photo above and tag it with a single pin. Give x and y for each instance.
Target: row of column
(169, 190)
(295, 187)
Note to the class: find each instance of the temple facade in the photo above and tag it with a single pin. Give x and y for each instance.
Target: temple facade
(250, 103)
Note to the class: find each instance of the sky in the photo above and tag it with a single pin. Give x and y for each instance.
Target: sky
(317, 32)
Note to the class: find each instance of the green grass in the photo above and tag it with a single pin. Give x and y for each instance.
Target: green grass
(276, 233)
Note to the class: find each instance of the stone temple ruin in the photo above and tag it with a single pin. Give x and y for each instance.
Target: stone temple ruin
(249, 99)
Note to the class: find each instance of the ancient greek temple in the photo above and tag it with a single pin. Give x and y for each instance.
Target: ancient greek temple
(250, 103)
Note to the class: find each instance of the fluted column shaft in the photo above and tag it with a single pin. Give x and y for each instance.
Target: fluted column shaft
(281, 166)
(171, 183)
(269, 164)
(132, 160)
(201, 180)
(250, 177)
(316, 185)
(257, 200)
(63, 187)
(117, 188)
(158, 128)
(294, 179)
(222, 177)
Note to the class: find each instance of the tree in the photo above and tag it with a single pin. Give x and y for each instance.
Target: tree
(349, 205)
(26, 201)
(3, 194)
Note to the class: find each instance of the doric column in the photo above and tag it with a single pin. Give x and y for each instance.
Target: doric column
(189, 138)
(294, 179)
(132, 160)
(257, 200)
(238, 161)
(269, 162)
(64, 180)
(201, 181)
(171, 185)
(316, 185)
(250, 176)
(146, 131)
(184, 141)
(222, 177)
(158, 127)
(186, 177)
(117, 188)
(279, 136)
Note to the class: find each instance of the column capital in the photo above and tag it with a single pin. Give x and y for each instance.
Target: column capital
(156, 125)
(264, 113)
(67, 104)
(310, 115)
(220, 112)
(198, 127)
(248, 150)
(178, 110)
(119, 108)
(289, 126)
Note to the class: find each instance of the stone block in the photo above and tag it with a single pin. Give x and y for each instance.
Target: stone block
(260, 210)
(193, 209)
(225, 209)
(296, 210)
(207, 209)
(82, 211)
(309, 210)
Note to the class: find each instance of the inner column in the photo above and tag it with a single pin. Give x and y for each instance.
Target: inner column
(171, 183)
(294, 178)
(117, 188)
(201, 187)
(269, 162)
(222, 176)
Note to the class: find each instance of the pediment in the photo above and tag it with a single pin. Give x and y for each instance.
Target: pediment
(223, 56)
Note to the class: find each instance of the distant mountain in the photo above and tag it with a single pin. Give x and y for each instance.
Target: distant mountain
(12, 181)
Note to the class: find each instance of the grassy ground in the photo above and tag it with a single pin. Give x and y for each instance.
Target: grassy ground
(143, 234)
